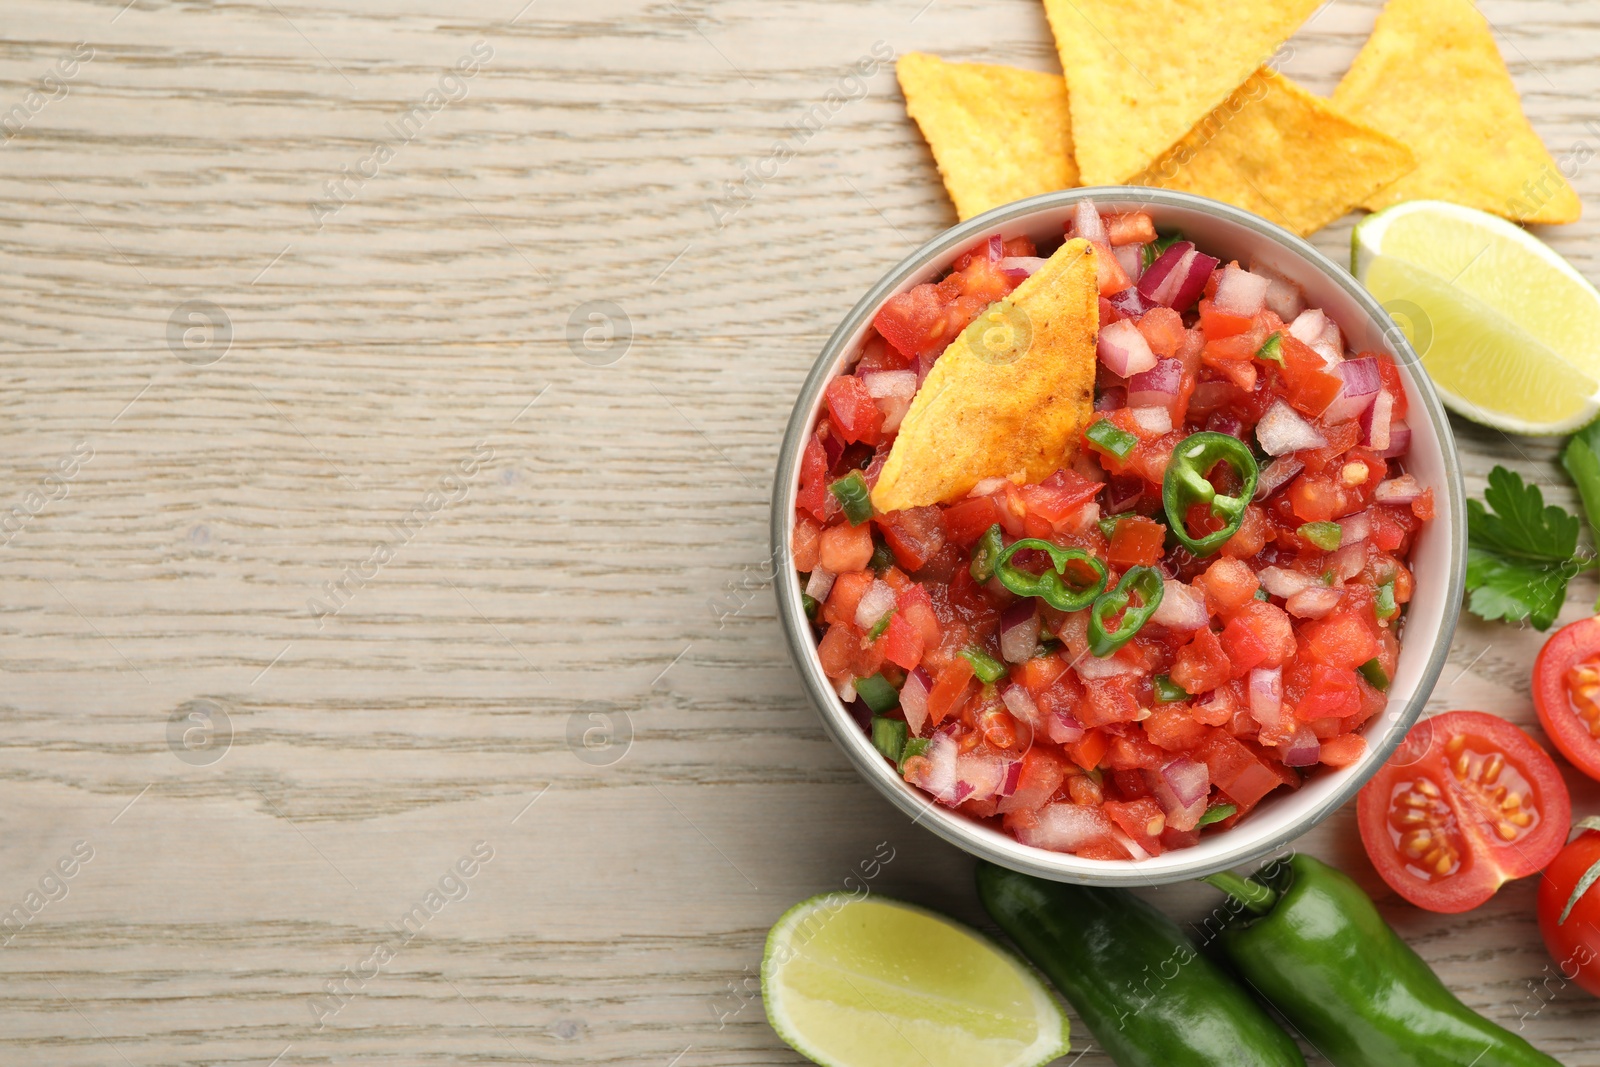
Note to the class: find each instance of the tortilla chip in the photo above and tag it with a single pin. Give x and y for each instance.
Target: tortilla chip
(998, 133)
(1141, 73)
(1431, 75)
(1274, 149)
(1009, 397)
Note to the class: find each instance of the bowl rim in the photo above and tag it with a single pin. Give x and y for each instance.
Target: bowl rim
(841, 725)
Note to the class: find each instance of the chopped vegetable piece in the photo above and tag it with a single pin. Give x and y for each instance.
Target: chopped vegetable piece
(1152, 251)
(1520, 552)
(1052, 586)
(1187, 483)
(876, 692)
(880, 626)
(1142, 582)
(1325, 535)
(1218, 812)
(914, 746)
(811, 604)
(852, 494)
(1168, 691)
(889, 737)
(1271, 348)
(1108, 437)
(985, 554)
(1384, 601)
(986, 667)
(882, 557)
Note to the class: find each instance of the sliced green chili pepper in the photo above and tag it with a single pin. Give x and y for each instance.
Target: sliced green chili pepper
(1143, 581)
(1051, 586)
(1186, 484)
(881, 625)
(1271, 348)
(1216, 813)
(915, 746)
(889, 737)
(876, 692)
(985, 666)
(811, 604)
(1153, 250)
(852, 494)
(1108, 526)
(985, 553)
(1261, 594)
(1111, 439)
(1325, 535)
(1375, 675)
(882, 558)
(1387, 608)
(1168, 691)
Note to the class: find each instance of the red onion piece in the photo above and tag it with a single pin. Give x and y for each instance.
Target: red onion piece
(834, 447)
(938, 775)
(1153, 420)
(1182, 607)
(1112, 398)
(1192, 274)
(1399, 440)
(1375, 421)
(914, 700)
(1064, 827)
(1353, 529)
(1130, 258)
(1094, 668)
(1226, 422)
(820, 584)
(875, 603)
(1086, 223)
(1362, 383)
(1277, 474)
(1010, 778)
(1266, 695)
(1313, 602)
(1282, 430)
(982, 775)
(1348, 561)
(1130, 303)
(1158, 386)
(997, 248)
(1401, 490)
(1308, 326)
(1284, 297)
(1063, 729)
(1280, 581)
(1303, 749)
(1155, 279)
(1027, 265)
(1019, 631)
(1019, 702)
(1240, 292)
(1123, 349)
(882, 383)
(1189, 779)
(1123, 492)
(894, 410)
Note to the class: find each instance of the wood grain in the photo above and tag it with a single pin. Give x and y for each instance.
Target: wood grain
(598, 573)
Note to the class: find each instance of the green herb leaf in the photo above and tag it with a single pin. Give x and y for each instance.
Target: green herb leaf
(1515, 590)
(1521, 525)
(1582, 460)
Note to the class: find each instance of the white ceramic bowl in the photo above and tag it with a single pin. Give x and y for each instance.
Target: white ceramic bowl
(1438, 558)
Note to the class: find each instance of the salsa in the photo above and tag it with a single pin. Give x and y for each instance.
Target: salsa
(1198, 609)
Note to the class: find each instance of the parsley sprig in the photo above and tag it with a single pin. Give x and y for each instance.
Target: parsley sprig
(1522, 552)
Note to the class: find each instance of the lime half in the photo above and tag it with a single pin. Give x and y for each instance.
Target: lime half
(1506, 328)
(851, 982)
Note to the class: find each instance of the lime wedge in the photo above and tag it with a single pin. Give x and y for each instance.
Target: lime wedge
(1506, 328)
(851, 982)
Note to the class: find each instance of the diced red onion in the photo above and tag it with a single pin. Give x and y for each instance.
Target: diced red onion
(834, 447)
(914, 700)
(1182, 607)
(1064, 827)
(1063, 729)
(1189, 779)
(1130, 303)
(1240, 292)
(1156, 277)
(875, 603)
(1277, 474)
(1313, 602)
(820, 584)
(1284, 297)
(981, 774)
(1266, 695)
(1225, 422)
(989, 485)
(1348, 561)
(1282, 431)
(1019, 631)
(1112, 398)
(1375, 421)
(1094, 668)
(938, 775)
(846, 688)
(1086, 223)
(882, 383)
(1156, 387)
(1303, 749)
(1362, 383)
(1018, 702)
(894, 410)
(997, 248)
(1353, 529)
(1401, 490)
(1010, 778)
(1153, 420)
(1131, 259)
(1280, 581)
(1123, 349)
(1308, 326)
(1399, 440)
(1187, 281)
(1026, 265)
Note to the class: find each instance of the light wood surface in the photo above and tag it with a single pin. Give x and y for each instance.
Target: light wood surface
(600, 556)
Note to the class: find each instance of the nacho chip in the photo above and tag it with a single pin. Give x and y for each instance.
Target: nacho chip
(1274, 149)
(1009, 397)
(1141, 73)
(1431, 75)
(998, 133)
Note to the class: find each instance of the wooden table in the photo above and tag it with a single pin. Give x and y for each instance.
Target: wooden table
(346, 547)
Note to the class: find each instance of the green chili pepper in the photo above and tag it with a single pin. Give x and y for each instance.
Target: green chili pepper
(1143, 581)
(1261, 594)
(1113, 440)
(1325, 535)
(1168, 691)
(1153, 250)
(1186, 484)
(985, 666)
(915, 746)
(985, 553)
(1051, 586)
(1386, 606)
(882, 558)
(1375, 675)
(1108, 527)
(1311, 944)
(876, 692)
(881, 625)
(852, 494)
(889, 737)
(811, 604)
(1146, 993)
(1271, 348)
(1216, 813)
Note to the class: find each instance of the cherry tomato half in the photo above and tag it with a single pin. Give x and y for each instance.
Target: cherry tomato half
(1466, 803)
(1566, 691)
(1571, 927)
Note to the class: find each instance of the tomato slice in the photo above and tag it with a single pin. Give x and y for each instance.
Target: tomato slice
(1467, 803)
(1568, 920)
(1566, 691)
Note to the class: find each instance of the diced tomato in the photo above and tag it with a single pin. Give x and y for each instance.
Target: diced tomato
(1142, 820)
(1201, 665)
(915, 606)
(845, 548)
(1172, 727)
(1216, 324)
(902, 643)
(913, 535)
(1259, 635)
(1059, 497)
(1389, 375)
(1331, 694)
(968, 520)
(1250, 538)
(1136, 542)
(1343, 488)
(1241, 777)
(813, 496)
(1042, 774)
(1342, 437)
(853, 410)
(1039, 673)
(1131, 228)
(1089, 750)
(845, 596)
(1111, 276)
(1228, 584)
(803, 544)
(910, 321)
(1343, 639)
(1422, 507)
(845, 652)
(1235, 348)
(1312, 387)
(1392, 527)
(1162, 329)
(949, 691)
(878, 355)
(1061, 700)
(1132, 752)
(1344, 750)
(1109, 700)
